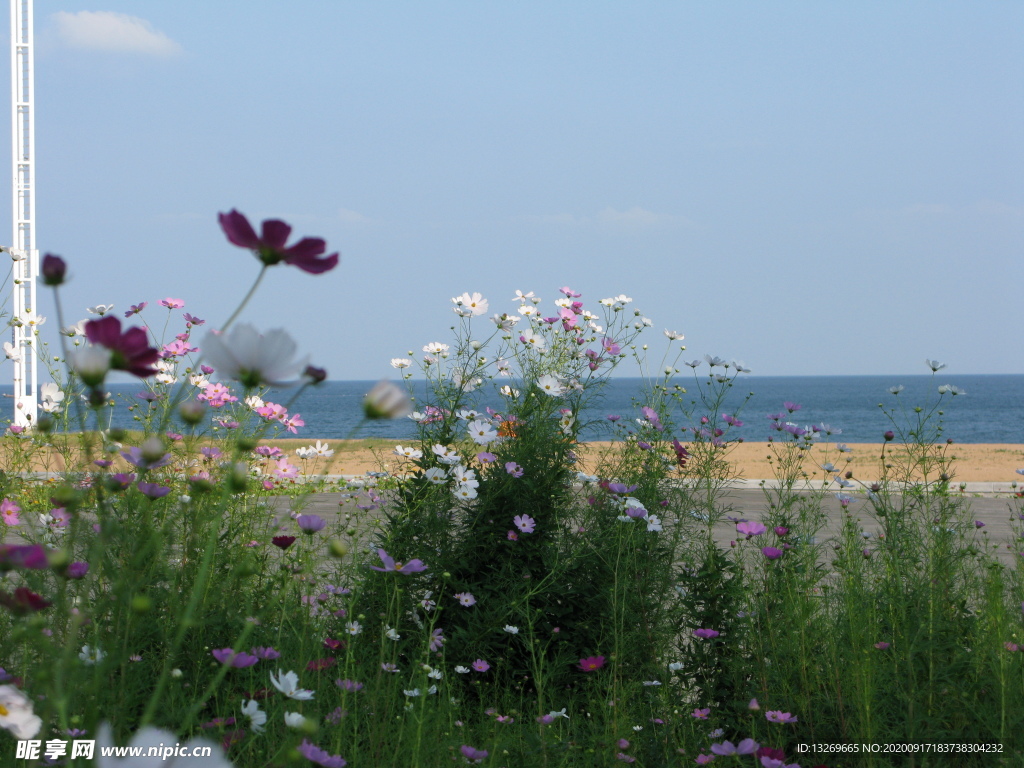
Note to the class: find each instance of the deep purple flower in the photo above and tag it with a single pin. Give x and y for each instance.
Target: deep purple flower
(413, 566)
(591, 663)
(153, 490)
(889, 436)
(54, 268)
(706, 634)
(239, 660)
(283, 541)
(310, 523)
(77, 570)
(314, 754)
(129, 351)
(31, 556)
(771, 553)
(270, 248)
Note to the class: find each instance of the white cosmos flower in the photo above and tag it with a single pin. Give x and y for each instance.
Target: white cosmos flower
(464, 476)
(392, 634)
(257, 717)
(504, 321)
(16, 713)
(653, 523)
(409, 453)
(353, 628)
(12, 352)
(508, 391)
(254, 359)
(294, 719)
(288, 684)
(511, 630)
(149, 737)
(472, 303)
(462, 670)
(412, 693)
(99, 309)
(935, 365)
(436, 475)
(50, 396)
(531, 339)
(674, 335)
(528, 310)
(436, 348)
(675, 666)
(559, 713)
(550, 385)
(520, 296)
(623, 299)
(91, 655)
(465, 492)
(400, 362)
(482, 432)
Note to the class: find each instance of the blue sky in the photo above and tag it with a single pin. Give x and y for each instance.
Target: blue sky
(811, 188)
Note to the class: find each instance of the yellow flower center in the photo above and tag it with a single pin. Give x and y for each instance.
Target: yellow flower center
(398, 566)
(4, 712)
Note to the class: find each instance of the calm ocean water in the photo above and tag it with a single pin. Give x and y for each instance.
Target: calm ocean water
(991, 411)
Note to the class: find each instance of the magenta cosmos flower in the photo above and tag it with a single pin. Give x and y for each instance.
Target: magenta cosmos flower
(772, 553)
(413, 566)
(239, 660)
(706, 634)
(307, 254)
(591, 663)
(129, 351)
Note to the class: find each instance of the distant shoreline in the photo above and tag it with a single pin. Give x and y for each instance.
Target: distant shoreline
(974, 462)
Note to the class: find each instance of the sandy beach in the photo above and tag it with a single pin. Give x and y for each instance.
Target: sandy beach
(972, 463)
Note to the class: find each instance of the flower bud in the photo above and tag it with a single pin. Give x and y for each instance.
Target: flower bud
(889, 436)
(192, 412)
(314, 375)
(54, 269)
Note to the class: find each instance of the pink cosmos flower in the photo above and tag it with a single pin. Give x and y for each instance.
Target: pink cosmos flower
(9, 512)
(775, 716)
(285, 469)
(512, 536)
(314, 754)
(465, 598)
(701, 714)
(171, 303)
(772, 553)
(307, 254)
(513, 469)
(135, 309)
(238, 660)
(524, 523)
(881, 646)
(470, 753)
(706, 634)
(413, 566)
(480, 665)
(750, 529)
(591, 663)
(31, 556)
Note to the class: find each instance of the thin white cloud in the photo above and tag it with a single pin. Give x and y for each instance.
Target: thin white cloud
(354, 217)
(635, 217)
(115, 32)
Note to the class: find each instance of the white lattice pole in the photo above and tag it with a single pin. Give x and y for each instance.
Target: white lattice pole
(24, 312)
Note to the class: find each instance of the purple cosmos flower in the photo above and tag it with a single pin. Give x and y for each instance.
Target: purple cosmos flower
(791, 407)
(621, 488)
(138, 457)
(314, 754)
(513, 469)
(706, 634)
(413, 566)
(480, 665)
(465, 598)
(134, 309)
(192, 320)
(31, 556)
(77, 570)
(349, 685)
(591, 663)
(772, 553)
(265, 652)
(881, 646)
(153, 490)
(775, 716)
(283, 541)
(745, 747)
(120, 481)
(701, 714)
(238, 660)
(270, 248)
(524, 523)
(437, 639)
(512, 536)
(129, 351)
(310, 523)
(470, 753)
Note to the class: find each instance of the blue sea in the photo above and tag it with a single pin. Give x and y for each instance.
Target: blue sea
(990, 411)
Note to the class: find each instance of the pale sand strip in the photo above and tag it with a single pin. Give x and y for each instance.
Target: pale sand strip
(972, 463)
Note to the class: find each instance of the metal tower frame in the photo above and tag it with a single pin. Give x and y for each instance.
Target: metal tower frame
(23, 249)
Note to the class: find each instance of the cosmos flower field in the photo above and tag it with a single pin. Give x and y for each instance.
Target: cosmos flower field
(485, 602)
